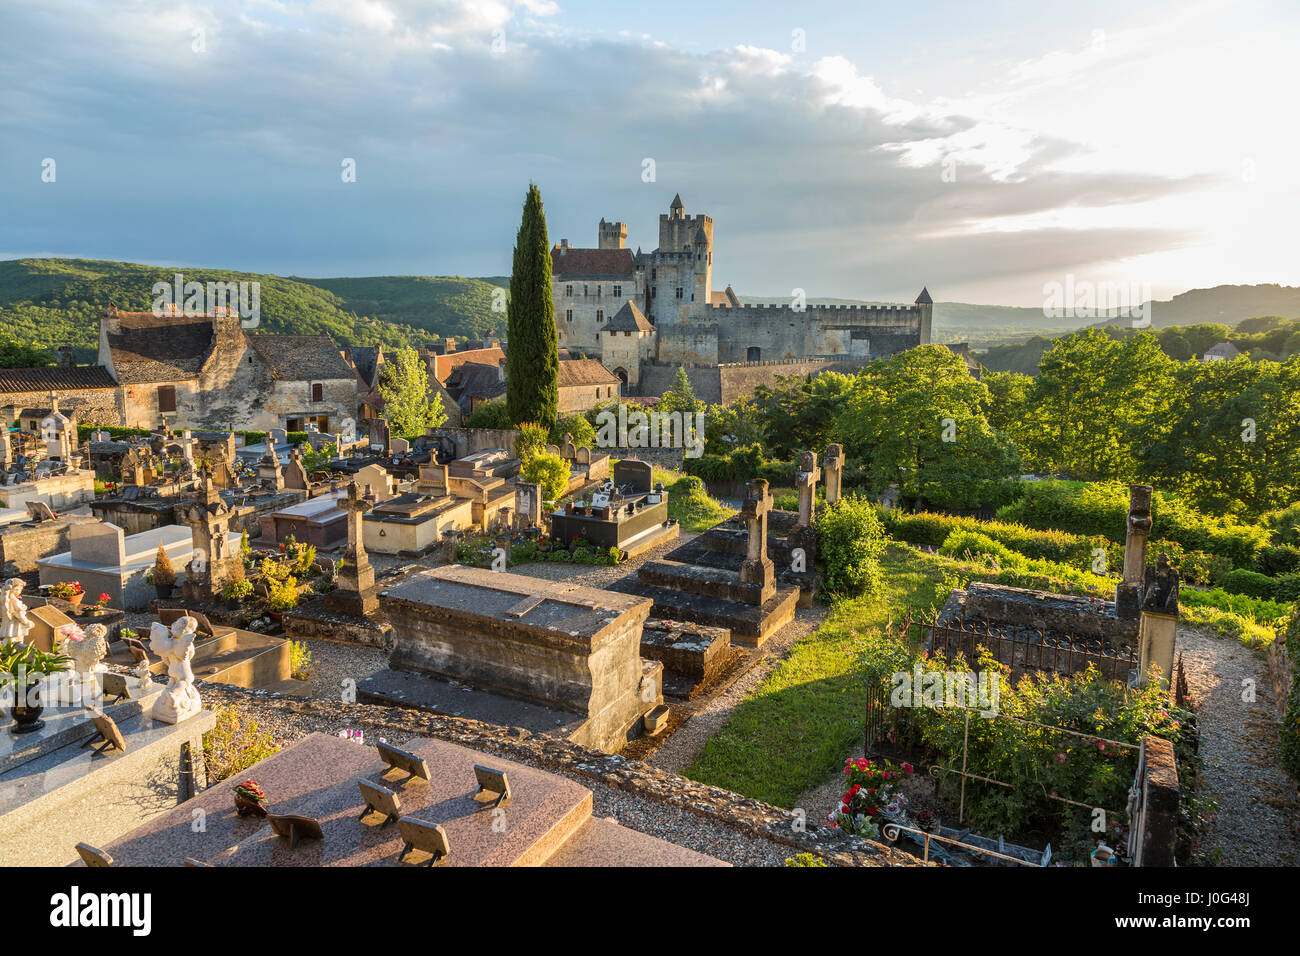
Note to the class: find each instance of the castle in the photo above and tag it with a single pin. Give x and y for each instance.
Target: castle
(638, 311)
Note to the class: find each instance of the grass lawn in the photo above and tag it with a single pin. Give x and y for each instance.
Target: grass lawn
(805, 718)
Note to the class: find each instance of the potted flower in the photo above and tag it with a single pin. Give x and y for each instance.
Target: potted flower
(164, 574)
(101, 602)
(250, 800)
(283, 597)
(70, 591)
(22, 668)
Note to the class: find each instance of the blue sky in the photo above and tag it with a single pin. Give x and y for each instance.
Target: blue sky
(848, 149)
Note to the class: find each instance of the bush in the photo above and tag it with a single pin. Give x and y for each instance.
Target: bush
(493, 414)
(692, 507)
(1278, 559)
(283, 594)
(234, 745)
(299, 660)
(164, 575)
(236, 589)
(548, 470)
(1252, 583)
(532, 439)
(1256, 609)
(1284, 524)
(584, 435)
(850, 540)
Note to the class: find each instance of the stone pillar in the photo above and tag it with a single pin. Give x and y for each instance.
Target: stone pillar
(1139, 529)
(1153, 823)
(803, 536)
(757, 570)
(528, 505)
(355, 593)
(1158, 627)
(209, 520)
(834, 465)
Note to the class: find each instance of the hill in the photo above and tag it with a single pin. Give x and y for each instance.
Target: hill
(53, 302)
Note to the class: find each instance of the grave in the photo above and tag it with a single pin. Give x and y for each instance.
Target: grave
(625, 512)
(550, 657)
(546, 822)
(746, 601)
(317, 521)
(105, 561)
(25, 539)
(61, 492)
(692, 654)
(415, 522)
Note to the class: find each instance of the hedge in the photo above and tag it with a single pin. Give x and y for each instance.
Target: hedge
(1283, 588)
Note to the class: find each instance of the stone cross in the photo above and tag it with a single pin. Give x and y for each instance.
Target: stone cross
(757, 569)
(209, 520)
(357, 574)
(1139, 529)
(834, 465)
(806, 481)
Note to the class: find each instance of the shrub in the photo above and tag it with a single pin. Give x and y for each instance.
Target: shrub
(283, 594)
(1284, 524)
(164, 575)
(1286, 587)
(492, 414)
(1278, 559)
(1253, 583)
(299, 660)
(532, 439)
(236, 589)
(1256, 609)
(850, 540)
(584, 435)
(548, 470)
(805, 859)
(973, 546)
(234, 745)
(692, 507)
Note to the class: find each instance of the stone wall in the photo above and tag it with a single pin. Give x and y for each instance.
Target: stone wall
(1154, 835)
(723, 384)
(22, 545)
(89, 406)
(471, 440)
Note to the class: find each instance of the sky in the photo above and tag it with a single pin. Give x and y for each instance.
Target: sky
(854, 150)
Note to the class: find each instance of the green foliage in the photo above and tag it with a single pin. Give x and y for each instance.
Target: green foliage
(1228, 624)
(584, 434)
(164, 574)
(1284, 524)
(300, 665)
(237, 589)
(532, 391)
(691, 506)
(24, 664)
(550, 471)
(532, 440)
(1252, 583)
(234, 745)
(1278, 559)
(680, 397)
(850, 540)
(314, 460)
(15, 354)
(805, 859)
(1291, 721)
(283, 593)
(404, 387)
(797, 412)
(1261, 610)
(491, 414)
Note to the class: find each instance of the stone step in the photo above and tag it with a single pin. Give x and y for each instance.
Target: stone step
(807, 582)
(699, 579)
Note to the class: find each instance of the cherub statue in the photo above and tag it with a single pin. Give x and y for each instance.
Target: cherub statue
(86, 649)
(176, 647)
(14, 622)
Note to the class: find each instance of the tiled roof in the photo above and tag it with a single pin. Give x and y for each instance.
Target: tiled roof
(301, 358)
(726, 298)
(593, 263)
(54, 379)
(1226, 349)
(151, 348)
(444, 365)
(366, 359)
(628, 319)
(585, 372)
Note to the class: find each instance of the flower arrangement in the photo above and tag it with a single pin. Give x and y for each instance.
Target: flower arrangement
(70, 633)
(66, 590)
(871, 792)
(250, 800)
(101, 602)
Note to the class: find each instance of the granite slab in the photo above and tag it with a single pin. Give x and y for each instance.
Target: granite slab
(605, 842)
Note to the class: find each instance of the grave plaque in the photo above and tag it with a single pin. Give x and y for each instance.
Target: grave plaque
(107, 734)
(379, 800)
(93, 855)
(403, 760)
(493, 788)
(295, 827)
(425, 837)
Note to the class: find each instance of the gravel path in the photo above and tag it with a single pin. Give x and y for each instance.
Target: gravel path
(1257, 823)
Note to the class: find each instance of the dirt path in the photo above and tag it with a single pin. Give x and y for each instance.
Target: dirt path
(1257, 823)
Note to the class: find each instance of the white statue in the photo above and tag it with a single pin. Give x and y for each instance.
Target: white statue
(14, 622)
(176, 647)
(86, 649)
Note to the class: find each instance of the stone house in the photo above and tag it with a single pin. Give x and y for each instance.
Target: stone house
(86, 394)
(206, 371)
(626, 341)
(584, 384)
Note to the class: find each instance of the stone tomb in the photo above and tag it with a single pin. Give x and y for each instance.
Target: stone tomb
(546, 656)
(626, 512)
(748, 602)
(414, 522)
(692, 654)
(547, 822)
(317, 521)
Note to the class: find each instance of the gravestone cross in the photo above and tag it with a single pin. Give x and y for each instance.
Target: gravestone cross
(757, 570)
(357, 574)
(806, 481)
(1139, 528)
(834, 465)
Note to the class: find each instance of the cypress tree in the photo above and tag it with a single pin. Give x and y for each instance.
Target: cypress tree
(533, 364)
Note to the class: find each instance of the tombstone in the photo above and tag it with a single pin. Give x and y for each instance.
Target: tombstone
(39, 511)
(379, 480)
(269, 474)
(100, 434)
(133, 468)
(379, 437)
(528, 505)
(98, 543)
(355, 590)
(635, 474)
(757, 569)
(803, 535)
(276, 437)
(834, 465)
(6, 449)
(1139, 529)
(433, 479)
(399, 446)
(584, 456)
(1158, 626)
(295, 476)
(567, 451)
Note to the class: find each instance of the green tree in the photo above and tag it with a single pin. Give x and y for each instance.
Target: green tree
(550, 471)
(680, 397)
(533, 369)
(14, 354)
(404, 387)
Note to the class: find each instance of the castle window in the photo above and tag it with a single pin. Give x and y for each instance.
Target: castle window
(653, 291)
(568, 315)
(167, 398)
(654, 273)
(618, 292)
(584, 290)
(598, 292)
(600, 315)
(568, 290)
(679, 292)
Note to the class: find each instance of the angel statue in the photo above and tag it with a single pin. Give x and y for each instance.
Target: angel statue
(176, 647)
(14, 622)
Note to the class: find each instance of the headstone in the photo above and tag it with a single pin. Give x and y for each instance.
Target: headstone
(39, 511)
(433, 479)
(355, 591)
(379, 480)
(99, 435)
(98, 543)
(269, 473)
(584, 456)
(276, 436)
(805, 481)
(834, 465)
(348, 431)
(399, 446)
(568, 451)
(1139, 529)
(528, 505)
(757, 569)
(379, 437)
(295, 476)
(295, 828)
(635, 474)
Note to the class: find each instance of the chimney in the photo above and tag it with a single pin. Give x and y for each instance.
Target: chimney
(66, 358)
(501, 370)
(564, 246)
